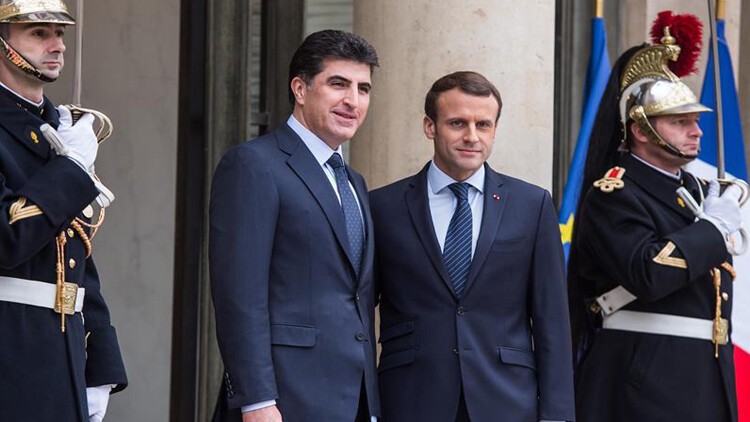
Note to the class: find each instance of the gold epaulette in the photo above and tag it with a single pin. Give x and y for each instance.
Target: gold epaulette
(612, 180)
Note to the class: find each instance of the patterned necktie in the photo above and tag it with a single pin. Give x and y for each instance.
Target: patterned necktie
(354, 227)
(457, 250)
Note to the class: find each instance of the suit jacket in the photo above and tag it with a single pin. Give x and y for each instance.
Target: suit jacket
(294, 322)
(641, 237)
(45, 372)
(435, 345)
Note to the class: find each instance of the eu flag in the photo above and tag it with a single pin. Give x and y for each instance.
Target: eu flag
(597, 74)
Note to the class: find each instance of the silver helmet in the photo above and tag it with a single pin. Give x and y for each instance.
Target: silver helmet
(649, 88)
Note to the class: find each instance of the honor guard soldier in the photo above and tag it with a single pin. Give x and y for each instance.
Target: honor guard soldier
(658, 280)
(54, 365)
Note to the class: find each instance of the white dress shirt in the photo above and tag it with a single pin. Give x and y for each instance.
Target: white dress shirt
(322, 152)
(443, 202)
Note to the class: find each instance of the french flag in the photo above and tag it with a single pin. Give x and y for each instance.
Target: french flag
(705, 167)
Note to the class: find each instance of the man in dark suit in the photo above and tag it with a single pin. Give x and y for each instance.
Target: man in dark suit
(291, 252)
(54, 363)
(473, 309)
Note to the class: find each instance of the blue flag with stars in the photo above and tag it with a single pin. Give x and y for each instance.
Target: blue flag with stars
(597, 74)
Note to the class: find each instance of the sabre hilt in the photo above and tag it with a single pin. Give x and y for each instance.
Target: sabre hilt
(105, 128)
(697, 210)
(744, 188)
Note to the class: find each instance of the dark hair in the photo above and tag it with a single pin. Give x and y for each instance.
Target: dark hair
(4, 31)
(468, 82)
(328, 44)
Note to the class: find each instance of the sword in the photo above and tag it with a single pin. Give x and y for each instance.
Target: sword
(106, 127)
(720, 164)
(720, 156)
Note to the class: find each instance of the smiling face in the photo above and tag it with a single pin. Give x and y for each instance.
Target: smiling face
(679, 130)
(334, 105)
(464, 132)
(41, 45)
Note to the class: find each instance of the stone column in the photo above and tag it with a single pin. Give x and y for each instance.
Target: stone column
(418, 41)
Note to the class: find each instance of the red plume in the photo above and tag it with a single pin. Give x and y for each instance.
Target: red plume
(688, 31)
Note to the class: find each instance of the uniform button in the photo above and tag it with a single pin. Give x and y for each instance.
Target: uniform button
(460, 310)
(360, 336)
(455, 351)
(356, 297)
(72, 263)
(71, 233)
(725, 296)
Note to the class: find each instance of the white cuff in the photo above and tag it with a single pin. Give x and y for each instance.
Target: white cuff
(98, 399)
(259, 405)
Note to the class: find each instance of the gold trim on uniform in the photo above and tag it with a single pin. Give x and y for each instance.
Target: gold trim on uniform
(612, 180)
(728, 267)
(664, 257)
(19, 211)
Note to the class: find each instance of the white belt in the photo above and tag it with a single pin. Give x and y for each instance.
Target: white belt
(614, 300)
(38, 293)
(669, 325)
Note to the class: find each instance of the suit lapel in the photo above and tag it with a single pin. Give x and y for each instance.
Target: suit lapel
(303, 163)
(495, 198)
(417, 202)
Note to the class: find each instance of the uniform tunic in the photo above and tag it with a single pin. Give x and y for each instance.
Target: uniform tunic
(44, 372)
(641, 236)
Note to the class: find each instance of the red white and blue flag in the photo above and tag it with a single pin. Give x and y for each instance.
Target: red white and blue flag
(705, 167)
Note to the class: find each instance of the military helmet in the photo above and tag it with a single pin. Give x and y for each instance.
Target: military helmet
(35, 11)
(650, 88)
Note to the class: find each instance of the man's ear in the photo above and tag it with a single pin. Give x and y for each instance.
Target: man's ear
(299, 88)
(429, 128)
(637, 133)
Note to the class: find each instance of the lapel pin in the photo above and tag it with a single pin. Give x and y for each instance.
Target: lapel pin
(681, 202)
(496, 197)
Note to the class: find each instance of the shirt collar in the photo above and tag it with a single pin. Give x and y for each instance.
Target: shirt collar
(677, 176)
(438, 180)
(320, 150)
(21, 97)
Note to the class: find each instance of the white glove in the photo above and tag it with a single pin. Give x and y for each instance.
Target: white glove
(75, 141)
(98, 399)
(723, 211)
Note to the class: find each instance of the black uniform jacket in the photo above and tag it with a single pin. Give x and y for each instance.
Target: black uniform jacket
(43, 371)
(641, 237)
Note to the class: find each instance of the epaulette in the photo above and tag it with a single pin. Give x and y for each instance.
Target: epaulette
(612, 180)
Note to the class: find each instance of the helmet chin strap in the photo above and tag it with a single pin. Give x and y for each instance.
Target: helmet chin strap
(20, 62)
(640, 118)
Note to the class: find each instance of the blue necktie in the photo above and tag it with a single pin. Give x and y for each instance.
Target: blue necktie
(354, 227)
(457, 249)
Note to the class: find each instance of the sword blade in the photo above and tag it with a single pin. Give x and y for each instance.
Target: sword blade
(720, 164)
(77, 75)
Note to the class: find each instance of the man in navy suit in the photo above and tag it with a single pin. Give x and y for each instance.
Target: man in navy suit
(291, 252)
(474, 322)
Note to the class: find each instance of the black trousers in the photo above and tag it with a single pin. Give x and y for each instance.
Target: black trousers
(363, 411)
(463, 414)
